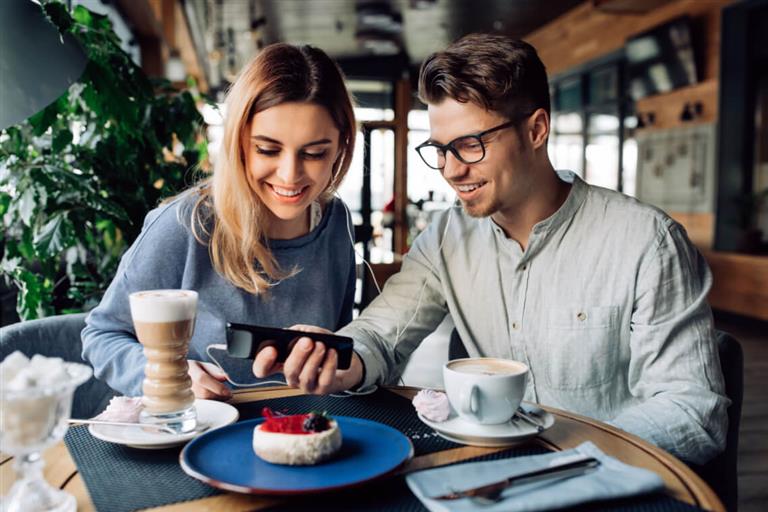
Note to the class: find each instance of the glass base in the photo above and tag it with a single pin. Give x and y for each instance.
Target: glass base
(37, 496)
(181, 422)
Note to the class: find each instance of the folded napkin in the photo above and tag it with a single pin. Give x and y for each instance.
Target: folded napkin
(612, 479)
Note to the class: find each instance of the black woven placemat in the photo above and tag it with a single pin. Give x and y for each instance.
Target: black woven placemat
(393, 495)
(382, 406)
(122, 479)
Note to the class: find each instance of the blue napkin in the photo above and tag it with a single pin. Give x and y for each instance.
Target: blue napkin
(612, 479)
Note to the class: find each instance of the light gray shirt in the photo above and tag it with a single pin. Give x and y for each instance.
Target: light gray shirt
(607, 307)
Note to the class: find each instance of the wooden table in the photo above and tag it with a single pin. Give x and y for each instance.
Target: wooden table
(569, 431)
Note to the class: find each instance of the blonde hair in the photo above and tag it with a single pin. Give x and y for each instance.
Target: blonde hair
(280, 73)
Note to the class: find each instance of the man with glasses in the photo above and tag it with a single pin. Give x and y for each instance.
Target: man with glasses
(603, 298)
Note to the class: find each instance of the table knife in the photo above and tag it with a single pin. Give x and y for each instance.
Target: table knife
(569, 469)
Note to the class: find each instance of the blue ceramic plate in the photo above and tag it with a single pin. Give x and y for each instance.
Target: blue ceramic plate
(224, 458)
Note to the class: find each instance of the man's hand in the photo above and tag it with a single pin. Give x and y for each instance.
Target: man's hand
(208, 381)
(310, 366)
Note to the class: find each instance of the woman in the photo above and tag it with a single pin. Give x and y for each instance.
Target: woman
(263, 241)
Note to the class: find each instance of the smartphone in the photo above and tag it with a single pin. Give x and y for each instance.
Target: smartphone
(245, 341)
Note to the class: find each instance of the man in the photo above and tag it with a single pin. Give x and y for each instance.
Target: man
(603, 297)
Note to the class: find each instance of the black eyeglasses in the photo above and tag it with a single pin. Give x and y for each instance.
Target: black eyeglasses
(467, 148)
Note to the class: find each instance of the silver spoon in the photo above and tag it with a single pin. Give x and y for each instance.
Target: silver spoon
(522, 414)
(162, 428)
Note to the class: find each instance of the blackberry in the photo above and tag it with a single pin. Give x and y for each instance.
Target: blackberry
(316, 423)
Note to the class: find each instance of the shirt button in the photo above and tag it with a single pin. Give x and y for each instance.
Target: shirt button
(525, 267)
(582, 316)
(515, 325)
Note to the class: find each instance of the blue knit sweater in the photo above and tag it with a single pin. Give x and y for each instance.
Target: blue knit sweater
(167, 255)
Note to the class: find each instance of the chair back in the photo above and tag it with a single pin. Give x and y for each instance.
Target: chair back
(456, 348)
(58, 336)
(721, 473)
(382, 271)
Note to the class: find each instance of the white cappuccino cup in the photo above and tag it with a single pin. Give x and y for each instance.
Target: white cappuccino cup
(485, 390)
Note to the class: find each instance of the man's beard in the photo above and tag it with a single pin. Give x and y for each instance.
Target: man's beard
(480, 209)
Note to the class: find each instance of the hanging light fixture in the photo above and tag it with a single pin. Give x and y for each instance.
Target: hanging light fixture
(37, 64)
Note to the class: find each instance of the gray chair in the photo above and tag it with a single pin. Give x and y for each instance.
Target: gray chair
(721, 472)
(58, 336)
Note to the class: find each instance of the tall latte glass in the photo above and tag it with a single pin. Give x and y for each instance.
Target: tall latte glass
(164, 321)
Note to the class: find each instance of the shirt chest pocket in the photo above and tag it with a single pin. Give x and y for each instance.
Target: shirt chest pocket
(581, 348)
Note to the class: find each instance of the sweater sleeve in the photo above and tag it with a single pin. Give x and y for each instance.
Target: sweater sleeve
(155, 261)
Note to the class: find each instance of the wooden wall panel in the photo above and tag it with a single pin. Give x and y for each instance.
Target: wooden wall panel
(668, 107)
(739, 283)
(586, 33)
(700, 227)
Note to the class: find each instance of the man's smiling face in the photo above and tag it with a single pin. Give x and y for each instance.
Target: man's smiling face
(502, 180)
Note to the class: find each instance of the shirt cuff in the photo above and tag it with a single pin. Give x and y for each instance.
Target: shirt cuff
(369, 364)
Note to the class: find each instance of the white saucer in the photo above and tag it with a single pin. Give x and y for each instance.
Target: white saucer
(512, 432)
(209, 412)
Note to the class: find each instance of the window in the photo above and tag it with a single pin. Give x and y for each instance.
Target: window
(591, 130)
(428, 192)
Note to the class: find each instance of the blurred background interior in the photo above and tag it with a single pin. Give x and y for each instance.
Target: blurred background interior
(664, 100)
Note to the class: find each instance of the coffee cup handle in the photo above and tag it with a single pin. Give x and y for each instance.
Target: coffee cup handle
(468, 401)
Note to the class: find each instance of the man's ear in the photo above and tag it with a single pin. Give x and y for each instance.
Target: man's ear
(538, 128)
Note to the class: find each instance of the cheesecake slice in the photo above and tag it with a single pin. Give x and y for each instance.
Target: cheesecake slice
(296, 440)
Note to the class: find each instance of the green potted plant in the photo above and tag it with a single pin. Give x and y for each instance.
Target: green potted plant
(77, 178)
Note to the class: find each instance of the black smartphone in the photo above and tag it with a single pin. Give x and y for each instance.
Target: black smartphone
(245, 341)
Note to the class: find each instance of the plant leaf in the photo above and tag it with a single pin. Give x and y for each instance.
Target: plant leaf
(29, 300)
(26, 206)
(61, 140)
(53, 237)
(58, 14)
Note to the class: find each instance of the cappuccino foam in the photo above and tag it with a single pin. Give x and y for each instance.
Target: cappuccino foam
(488, 367)
(162, 306)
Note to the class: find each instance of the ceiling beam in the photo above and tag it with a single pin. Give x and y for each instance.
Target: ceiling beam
(627, 6)
(160, 28)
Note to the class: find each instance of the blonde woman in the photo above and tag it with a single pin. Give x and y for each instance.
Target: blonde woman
(263, 241)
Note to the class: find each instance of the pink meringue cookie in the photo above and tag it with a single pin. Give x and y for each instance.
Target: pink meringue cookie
(122, 408)
(432, 404)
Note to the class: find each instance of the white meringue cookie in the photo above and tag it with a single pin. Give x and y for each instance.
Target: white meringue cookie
(122, 408)
(432, 404)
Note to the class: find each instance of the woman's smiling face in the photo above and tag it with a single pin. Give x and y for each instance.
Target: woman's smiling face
(289, 156)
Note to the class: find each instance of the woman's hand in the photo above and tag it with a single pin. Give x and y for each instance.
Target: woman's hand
(309, 367)
(208, 381)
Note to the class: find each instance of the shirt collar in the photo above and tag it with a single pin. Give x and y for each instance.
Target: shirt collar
(571, 205)
(540, 230)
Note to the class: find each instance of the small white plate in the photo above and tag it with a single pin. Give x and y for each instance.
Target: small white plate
(512, 432)
(209, 412)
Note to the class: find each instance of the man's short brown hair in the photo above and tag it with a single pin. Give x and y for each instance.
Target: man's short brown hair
(495, 72)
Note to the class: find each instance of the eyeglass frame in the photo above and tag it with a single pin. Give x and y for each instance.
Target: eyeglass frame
(449, 146)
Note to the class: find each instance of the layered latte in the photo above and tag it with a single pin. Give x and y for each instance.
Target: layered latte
(164, 321)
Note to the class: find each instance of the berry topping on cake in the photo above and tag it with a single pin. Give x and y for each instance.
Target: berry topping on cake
(295, 423)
